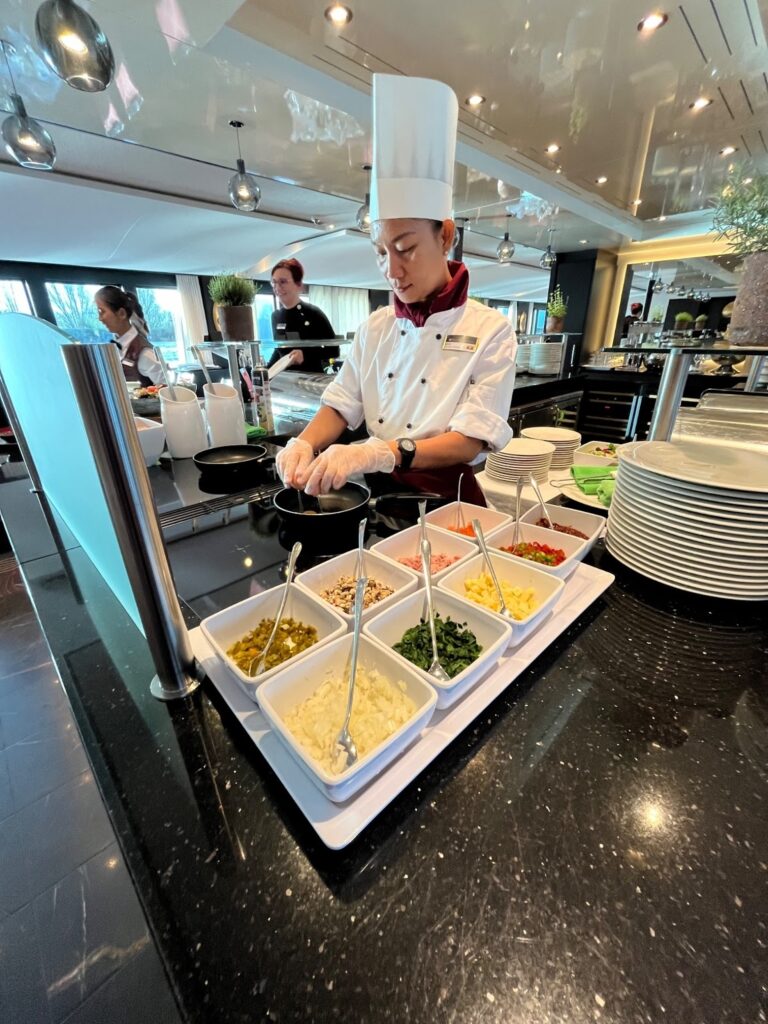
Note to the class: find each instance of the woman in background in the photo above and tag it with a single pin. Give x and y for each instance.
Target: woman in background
(297, 317)
(121, 313)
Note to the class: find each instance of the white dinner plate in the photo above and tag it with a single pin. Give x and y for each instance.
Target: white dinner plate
(705, 503)
(700, 462)
(672, 521)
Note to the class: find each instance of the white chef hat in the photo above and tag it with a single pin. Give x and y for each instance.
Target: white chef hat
(414, 148)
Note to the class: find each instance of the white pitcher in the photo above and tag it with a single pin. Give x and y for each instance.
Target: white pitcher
(183, 422)
(224, 413)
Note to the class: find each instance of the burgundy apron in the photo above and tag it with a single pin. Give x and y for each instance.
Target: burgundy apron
(443, 481)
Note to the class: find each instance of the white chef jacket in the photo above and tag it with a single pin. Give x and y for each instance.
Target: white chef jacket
(408, 381)
(147, 364)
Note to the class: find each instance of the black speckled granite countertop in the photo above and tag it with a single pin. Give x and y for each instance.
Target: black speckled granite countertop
(592, 849)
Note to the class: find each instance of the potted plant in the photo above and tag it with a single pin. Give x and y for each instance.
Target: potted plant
(741, 218)
(683, 320)
(232, 298)
(557, 307)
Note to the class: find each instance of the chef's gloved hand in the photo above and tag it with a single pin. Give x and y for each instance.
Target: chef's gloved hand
(333, 467)
(293, 461)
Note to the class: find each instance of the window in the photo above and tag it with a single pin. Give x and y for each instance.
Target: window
(14, 297)
(75, 311)
(539, 319)
(74, 308)
(162, 313)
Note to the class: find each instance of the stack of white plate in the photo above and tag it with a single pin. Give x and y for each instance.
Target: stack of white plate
(521, 457)
(693, 515)
(565, 441)
(522, 358)
(545, 358)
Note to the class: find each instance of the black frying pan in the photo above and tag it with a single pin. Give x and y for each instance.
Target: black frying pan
(230, 462)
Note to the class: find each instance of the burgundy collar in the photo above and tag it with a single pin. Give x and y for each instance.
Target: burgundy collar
(453, 295)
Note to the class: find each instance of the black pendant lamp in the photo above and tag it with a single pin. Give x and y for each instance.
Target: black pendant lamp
(244, 190)
(74, 46)
(26, 140)
(506, 249)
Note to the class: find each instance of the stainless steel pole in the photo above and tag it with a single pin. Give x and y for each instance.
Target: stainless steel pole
(756, 364)
(671, 388)
(99, 386)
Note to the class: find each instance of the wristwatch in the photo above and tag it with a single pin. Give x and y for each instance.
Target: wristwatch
(407, 448)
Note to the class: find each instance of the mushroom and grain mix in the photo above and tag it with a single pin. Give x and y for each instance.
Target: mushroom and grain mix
(342, 593)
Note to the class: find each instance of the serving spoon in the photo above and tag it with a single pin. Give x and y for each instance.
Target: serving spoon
(503, 610)
(344, 740)
(166, 374)
(435, 669)
(295, 552)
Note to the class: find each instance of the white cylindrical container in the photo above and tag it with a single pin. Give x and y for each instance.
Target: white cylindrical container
(224, 413)
(183, 422)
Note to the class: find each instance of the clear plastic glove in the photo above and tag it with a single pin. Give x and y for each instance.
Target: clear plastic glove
(293, 461)
(333, 467)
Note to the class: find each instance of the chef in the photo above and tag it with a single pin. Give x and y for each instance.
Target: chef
(432, 376)
(301, 318)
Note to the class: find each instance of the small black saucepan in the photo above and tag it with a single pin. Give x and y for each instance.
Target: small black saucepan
(230, 462)
(334, 517)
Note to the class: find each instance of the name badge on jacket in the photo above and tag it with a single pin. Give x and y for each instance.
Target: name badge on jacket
(460, 343)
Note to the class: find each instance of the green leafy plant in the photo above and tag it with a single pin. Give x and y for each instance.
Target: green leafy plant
(230, 290)
(657, 315)
(683, 318)
(702, 318)
(741, 215)
(557, 303)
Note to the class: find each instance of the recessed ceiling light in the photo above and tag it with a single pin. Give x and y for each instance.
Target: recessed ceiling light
(663, 217)
(601, 180)
(747, 181)
(583, 241)
(553, 148)
(636, 202)
(338, 15)
(727, 150)
(701, 103)
(475, 100)
(652, 21)
(558, 170)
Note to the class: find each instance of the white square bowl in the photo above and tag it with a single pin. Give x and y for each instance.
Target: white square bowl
(289, 687)
(403, 580)
(492, 633)
(151, 439)
(584, 455)
(442, 542)
(226, 627)
(587, 522)
(518, 573)
(444, 518)
(574, 547)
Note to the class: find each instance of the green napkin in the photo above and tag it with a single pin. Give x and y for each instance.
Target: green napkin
(252, 431)
(605, 491)
(589, 479)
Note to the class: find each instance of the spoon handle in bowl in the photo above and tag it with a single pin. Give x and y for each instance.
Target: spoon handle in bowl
(295, 552)
(426, 558)
(491, 571)
(360, 588)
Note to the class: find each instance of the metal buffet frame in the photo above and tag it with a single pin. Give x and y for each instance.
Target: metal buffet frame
(678, 362)
(99, 386)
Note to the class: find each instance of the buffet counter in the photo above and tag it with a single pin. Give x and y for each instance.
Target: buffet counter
(591, 848)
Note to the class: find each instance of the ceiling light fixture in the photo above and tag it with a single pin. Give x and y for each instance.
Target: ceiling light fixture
(748, 181)
(506, 249)
(74, 46)
(558, 170)
(652, 21)
(728, 150)
(636, 202)
(548, 257)
(244, 191)
(475, 100)
(553, 148)
(26, 140)
(583, 241)
(663, 217)
(339, 15)
(701, 103)
(601, 180)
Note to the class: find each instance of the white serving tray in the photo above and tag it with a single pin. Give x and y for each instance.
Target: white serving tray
(338, 824)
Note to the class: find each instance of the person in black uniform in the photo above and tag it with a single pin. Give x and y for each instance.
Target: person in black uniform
(299, 318)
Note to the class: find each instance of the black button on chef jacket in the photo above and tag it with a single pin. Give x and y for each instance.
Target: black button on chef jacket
(311, 324)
